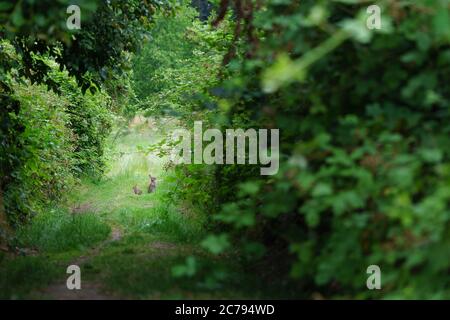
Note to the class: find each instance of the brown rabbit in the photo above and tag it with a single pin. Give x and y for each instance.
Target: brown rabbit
(137, 190)
(152, 185)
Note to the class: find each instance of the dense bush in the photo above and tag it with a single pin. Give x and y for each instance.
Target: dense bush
(90, 121)
(363, 116)
(44, 151)
(365, 167)
(58, 137)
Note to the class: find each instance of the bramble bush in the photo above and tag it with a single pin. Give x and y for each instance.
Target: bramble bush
(364, 136)
(363, 116)
(90, 120)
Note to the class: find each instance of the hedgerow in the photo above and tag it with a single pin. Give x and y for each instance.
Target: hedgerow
(363, 117)
(60, 137)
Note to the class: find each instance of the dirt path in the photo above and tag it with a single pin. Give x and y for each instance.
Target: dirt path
(135, 261)
(90, 290)
(116, 235)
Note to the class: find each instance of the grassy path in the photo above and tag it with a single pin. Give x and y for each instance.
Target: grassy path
(148, 236)
(126, 245)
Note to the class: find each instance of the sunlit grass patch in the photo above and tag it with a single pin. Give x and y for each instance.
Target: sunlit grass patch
(164, 220)
(127, 167)
(127, 156)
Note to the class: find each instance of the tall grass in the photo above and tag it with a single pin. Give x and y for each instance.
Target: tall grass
(21, 275)
(57, 231)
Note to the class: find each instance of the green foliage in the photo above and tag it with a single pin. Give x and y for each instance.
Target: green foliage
(109, 28)
(90, 121)
(363, 116)
(174, 71)
(44, 19)
(42, 151)
(39, 34)
(166, 48)
(122, 93)
(190, 184)
(364, 122)
(50, 140)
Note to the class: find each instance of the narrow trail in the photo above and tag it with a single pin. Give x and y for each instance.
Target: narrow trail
(135, 260)
(116, 235)
(90, 290)
(127, 245)
(95, 289)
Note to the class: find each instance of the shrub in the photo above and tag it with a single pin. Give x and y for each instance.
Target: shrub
(49, 139)
(363, 117)
(43, 150)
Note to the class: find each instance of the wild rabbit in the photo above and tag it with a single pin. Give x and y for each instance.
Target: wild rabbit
(152, 185)
(137, 190)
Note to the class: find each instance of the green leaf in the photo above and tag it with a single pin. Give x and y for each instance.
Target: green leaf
(321, 189)
(216, 243)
